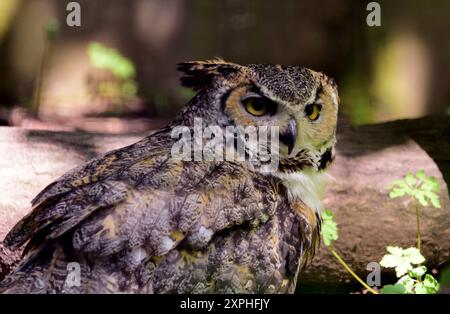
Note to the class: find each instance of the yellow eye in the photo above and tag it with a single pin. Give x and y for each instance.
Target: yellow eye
(256, 106)
(313, 111)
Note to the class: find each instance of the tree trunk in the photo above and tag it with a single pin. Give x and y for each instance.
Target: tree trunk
(368, 158)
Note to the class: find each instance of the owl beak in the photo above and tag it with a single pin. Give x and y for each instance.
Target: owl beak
(289, 136)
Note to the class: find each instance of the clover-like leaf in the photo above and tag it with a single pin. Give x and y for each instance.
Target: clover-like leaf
(403, 267)
(425, 189)
(389, 261)
(329, 229)
(419, 288)
(420, 197)
(433, 197)
(407, 282)
(430, 183)
(393, 289)
(410, 179)
(401, 259)
(413, 256)
(418, 272)
(435, 201)
(421, 175)
(396, 192)
(431, 283)
(394, 250)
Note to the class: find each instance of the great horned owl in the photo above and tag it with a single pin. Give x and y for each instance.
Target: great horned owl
(136, 220)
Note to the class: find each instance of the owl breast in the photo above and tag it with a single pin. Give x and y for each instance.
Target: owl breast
(307, 186)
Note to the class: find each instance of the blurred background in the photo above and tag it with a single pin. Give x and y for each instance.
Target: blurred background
(116, 73)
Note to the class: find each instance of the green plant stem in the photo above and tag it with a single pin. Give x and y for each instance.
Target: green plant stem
(37, 97)
(352, 272)
(418, 228)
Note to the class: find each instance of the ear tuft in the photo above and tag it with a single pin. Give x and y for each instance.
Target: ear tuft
(200, 74)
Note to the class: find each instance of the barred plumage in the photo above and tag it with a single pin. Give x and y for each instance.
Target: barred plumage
(137, 220)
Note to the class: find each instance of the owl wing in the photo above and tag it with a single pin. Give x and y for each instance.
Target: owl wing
(140, 197)
(62, 201)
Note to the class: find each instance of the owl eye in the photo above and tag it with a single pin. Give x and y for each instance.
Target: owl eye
(313, 111)
(258, 106)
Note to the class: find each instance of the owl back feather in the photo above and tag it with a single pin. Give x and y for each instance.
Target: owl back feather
(201, 74)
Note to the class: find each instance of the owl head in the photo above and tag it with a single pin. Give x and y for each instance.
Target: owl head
(301, 102)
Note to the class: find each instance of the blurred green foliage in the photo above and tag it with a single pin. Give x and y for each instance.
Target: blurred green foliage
(119, 87)
(168, 102)
(355, 97)
(445, 277)
(110, 59)
(51, 29)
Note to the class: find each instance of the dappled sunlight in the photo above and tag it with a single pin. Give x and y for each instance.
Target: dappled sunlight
(401, 77)
(8, 9)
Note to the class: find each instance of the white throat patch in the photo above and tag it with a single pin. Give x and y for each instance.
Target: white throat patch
(307, 186)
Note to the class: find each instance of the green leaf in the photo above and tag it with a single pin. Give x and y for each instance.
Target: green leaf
(389, 261)
(432, 184)
(401, 259)
(329, 229)
(407, 282)
(430, 194)
(419, 288)
(393, 289)
(395, 250)
(420, 197)
(423, 188)
(410, 180)
(393, 261)
(431, 283)
(398, 182)
(421, 175)
(327, 215)
(413, 256)
(402, 268)
(418, 272)
(435, 201)
(396, 192)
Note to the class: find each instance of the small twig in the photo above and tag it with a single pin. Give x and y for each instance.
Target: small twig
(418, 227)
(351, 271)
(37, 97)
